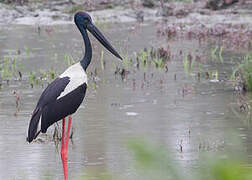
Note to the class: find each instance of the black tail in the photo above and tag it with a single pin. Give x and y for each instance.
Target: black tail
(33, 126)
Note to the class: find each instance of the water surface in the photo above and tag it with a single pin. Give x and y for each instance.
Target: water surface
(194, 114)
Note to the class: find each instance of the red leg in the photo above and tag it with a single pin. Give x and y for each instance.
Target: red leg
(62, 138)
(63, 152)
(64, 146)
(68, 131)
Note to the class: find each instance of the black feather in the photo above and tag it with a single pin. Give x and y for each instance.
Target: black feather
(48, 96)
(62, 107)
(33, 126)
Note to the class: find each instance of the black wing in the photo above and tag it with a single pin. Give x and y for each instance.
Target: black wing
(49, 95)
(62, 107)
(53, 91)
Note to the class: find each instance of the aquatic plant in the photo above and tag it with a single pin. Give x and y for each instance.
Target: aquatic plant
(27, 51)
(220, 54)
(216, 53)
(243, 73)
(127, 61)
(102, 60)
(154, 162)
(188, 63)
(243, 108)
(143, 56)
(32, 79)
(36, 79)
(246, 70)
(6, 73)
(51, 75)
(213, 52)
(8, 68)
(156, 56)
(158, 63)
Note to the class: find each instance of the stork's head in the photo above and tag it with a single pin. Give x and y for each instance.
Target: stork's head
(82, 19)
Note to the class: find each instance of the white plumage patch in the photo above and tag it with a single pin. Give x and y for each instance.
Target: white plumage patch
(39, 125)
(77, 77)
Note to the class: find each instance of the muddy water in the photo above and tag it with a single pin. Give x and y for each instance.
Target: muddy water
(183, 112)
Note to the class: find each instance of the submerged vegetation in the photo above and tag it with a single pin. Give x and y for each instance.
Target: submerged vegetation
(157, 58)
(11, 69)
(152, 57)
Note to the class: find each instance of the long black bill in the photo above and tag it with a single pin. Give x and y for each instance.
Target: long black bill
(102, 39)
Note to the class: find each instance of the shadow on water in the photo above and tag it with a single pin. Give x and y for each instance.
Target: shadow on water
(171, 107)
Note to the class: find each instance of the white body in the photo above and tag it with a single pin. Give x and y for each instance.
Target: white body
(77, 77)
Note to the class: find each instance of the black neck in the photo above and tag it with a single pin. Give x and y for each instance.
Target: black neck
(88, 48)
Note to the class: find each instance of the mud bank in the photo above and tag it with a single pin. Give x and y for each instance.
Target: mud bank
(61, 12)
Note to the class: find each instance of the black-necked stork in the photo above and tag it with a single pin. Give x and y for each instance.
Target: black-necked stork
(65, 94)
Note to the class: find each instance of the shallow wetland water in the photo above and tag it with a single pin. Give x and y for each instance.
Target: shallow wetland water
(176, 112)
